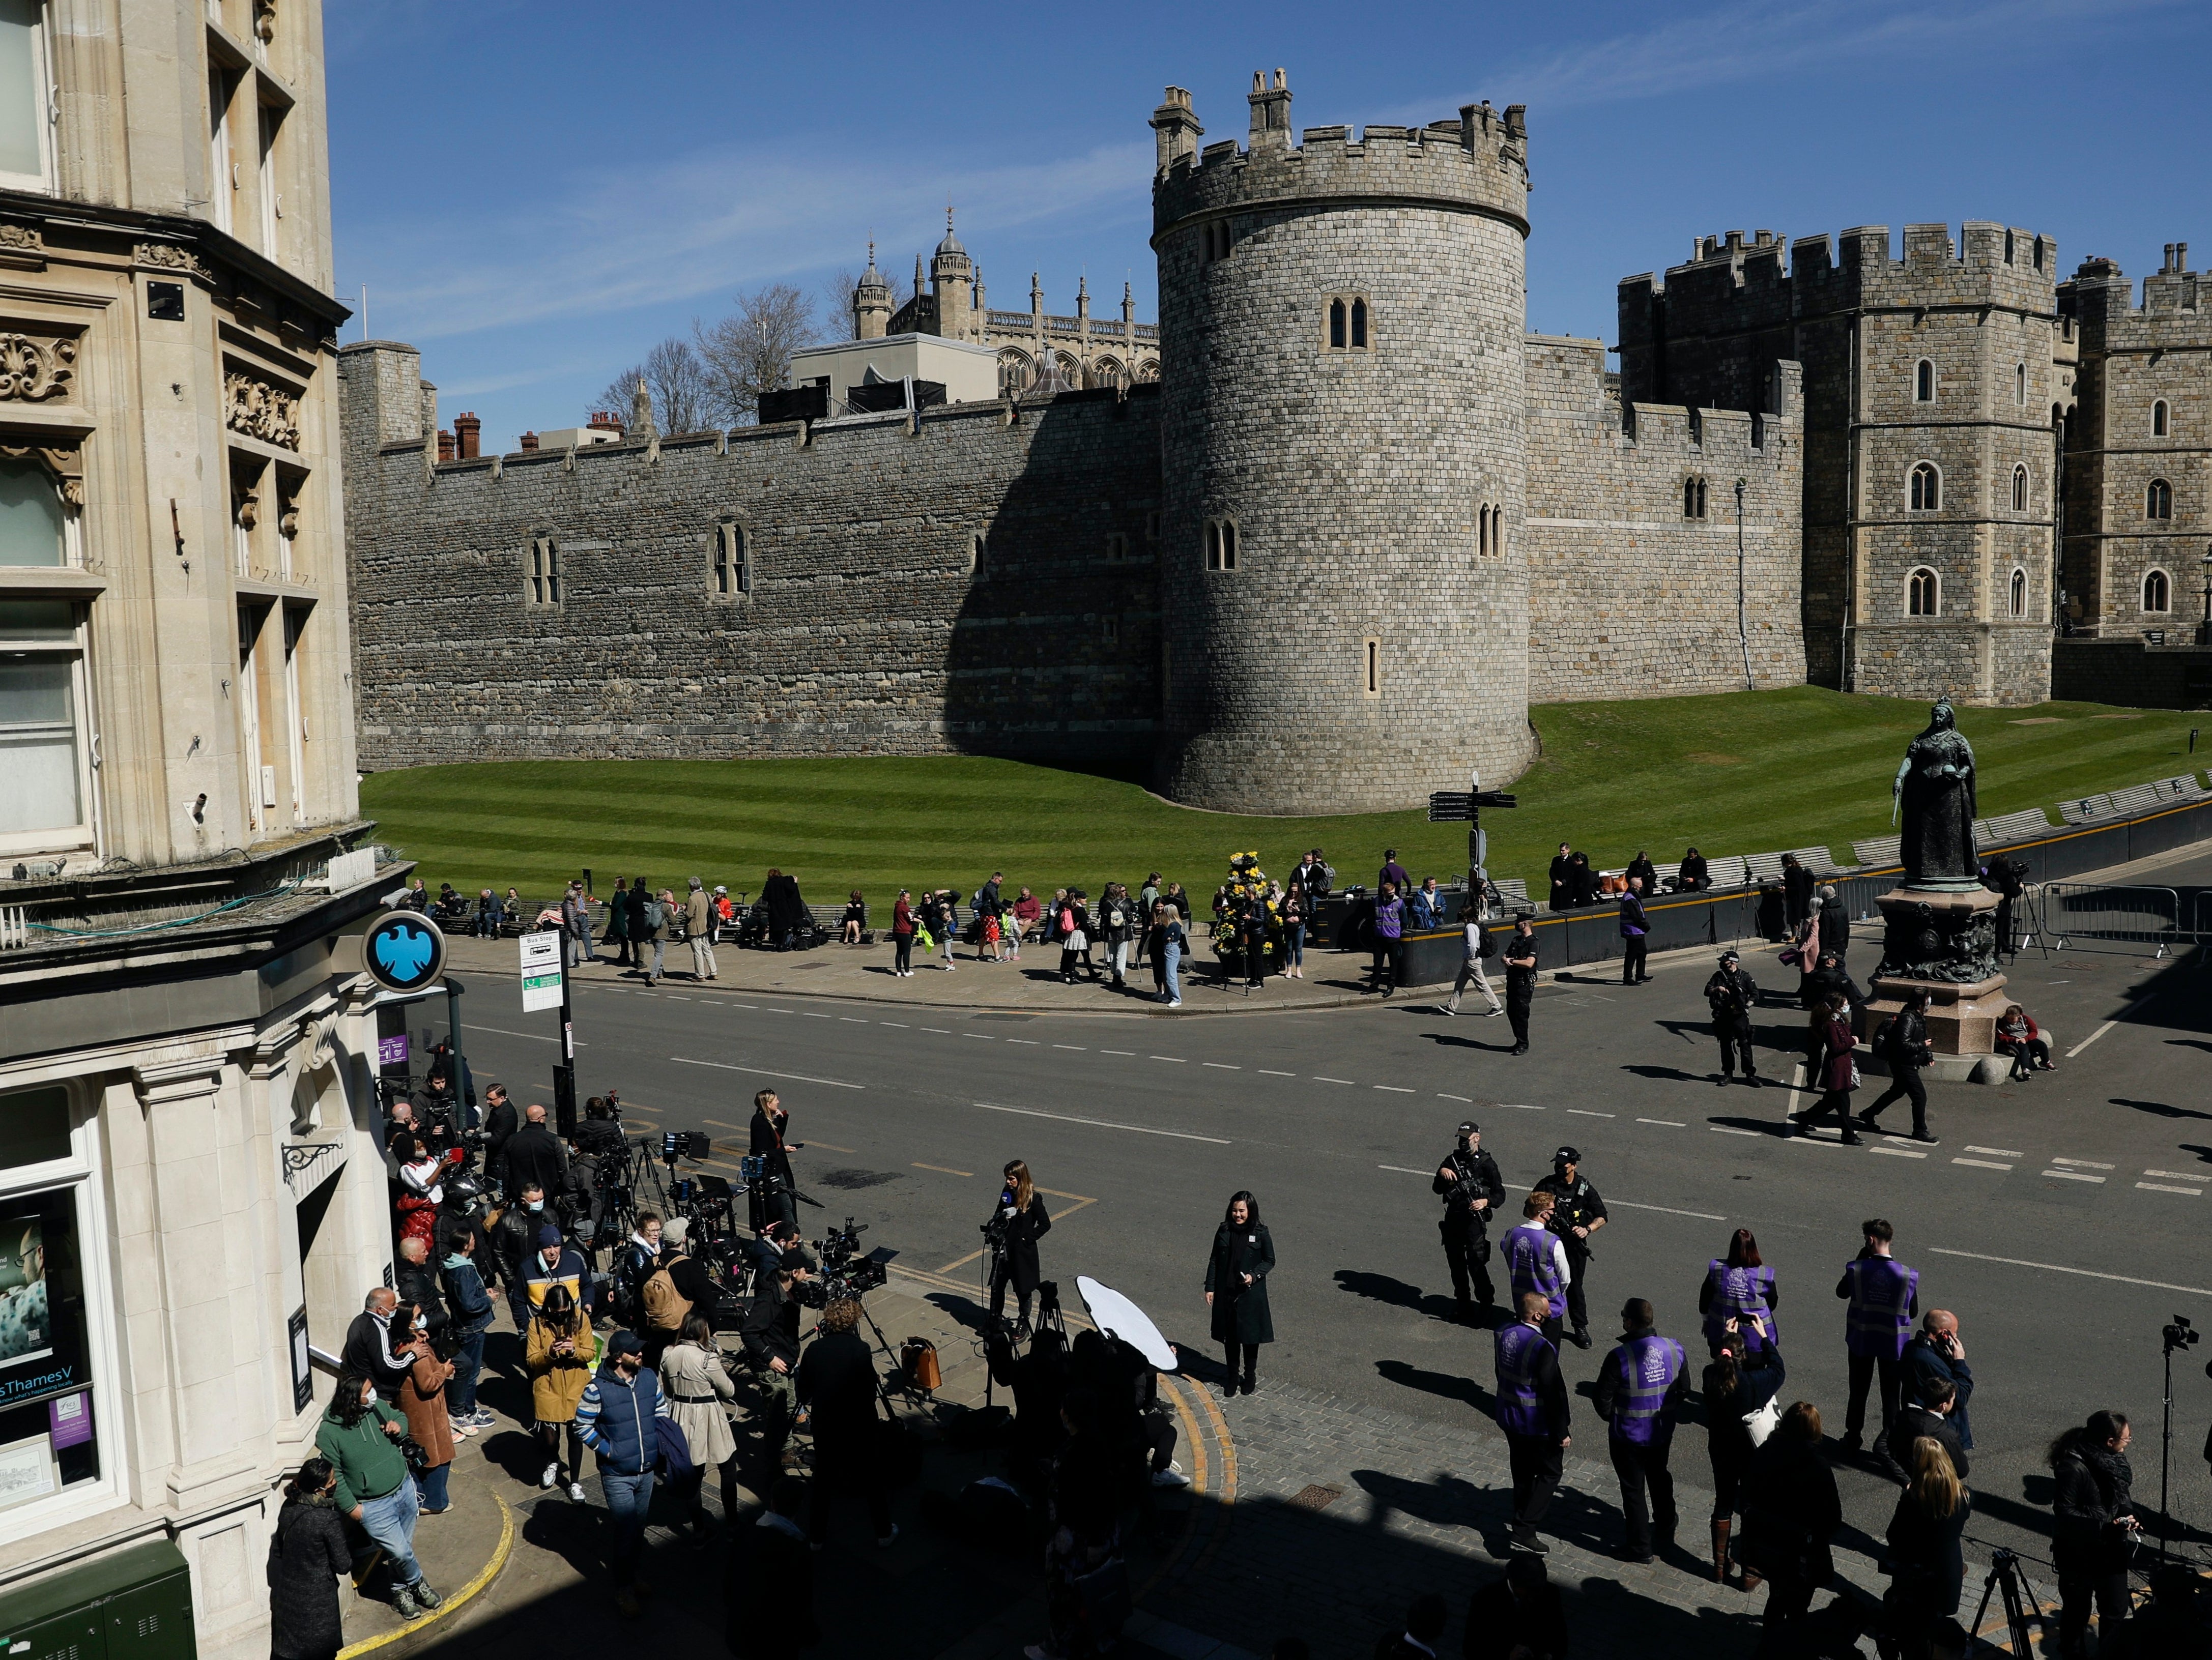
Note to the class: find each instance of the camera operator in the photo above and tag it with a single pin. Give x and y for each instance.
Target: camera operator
(1040, 1382)
(1472, 1187)
(770, 1334)
(767, 1139)
(2096, 1524)
(437, 1110)
(769, 1249)
(534, 1155)
(460, 1083)
(1017, 1224)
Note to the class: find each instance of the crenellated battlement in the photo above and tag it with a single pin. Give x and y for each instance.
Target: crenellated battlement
(2175, 310)
(1478, 161)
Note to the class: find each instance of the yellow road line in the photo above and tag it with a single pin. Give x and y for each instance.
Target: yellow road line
(490, 1573)
(943, 1170)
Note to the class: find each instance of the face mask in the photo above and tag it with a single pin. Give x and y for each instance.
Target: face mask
(536, 1204)
(369, 1396)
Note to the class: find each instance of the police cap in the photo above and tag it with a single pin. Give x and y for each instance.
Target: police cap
(1469, 1127)
(1566, 1156)
(1731, 956)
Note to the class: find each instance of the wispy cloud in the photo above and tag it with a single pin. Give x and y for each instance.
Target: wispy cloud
(1733, 45)
(597, 243)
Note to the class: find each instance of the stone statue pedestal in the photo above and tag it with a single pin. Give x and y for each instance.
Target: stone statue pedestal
(1943, 943)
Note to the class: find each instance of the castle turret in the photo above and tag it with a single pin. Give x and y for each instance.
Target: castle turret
(1343, 406)
(951, 277)
(872, 301)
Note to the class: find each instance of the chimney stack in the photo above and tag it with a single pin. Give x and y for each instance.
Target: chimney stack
(466, 430)
(530, 440)
(445, 445)
(603, 421)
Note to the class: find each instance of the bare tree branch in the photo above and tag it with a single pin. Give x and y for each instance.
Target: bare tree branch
(749, 352)
(678, 380)
(837, 300)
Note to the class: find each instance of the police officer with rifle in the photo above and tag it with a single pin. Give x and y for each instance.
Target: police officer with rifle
(1471, 1187)
(1732, 995)
(1576, 1214)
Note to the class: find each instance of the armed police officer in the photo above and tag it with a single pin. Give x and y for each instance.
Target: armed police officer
(1576, 1214)
(1732, 994)
(1470, 1183)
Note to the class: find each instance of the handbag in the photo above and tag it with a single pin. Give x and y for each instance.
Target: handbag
(1760, 1422)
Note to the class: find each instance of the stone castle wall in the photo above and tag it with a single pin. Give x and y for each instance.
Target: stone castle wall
(1631, 595)
(862, 625)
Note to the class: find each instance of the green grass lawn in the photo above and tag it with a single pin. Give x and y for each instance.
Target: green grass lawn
(1746, 773)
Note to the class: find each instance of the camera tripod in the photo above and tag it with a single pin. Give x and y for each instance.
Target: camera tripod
(2007, 1579)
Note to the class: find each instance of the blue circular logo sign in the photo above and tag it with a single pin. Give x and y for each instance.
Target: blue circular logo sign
(403, 952)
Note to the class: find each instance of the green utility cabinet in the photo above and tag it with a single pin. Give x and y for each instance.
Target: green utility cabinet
(135, 1604)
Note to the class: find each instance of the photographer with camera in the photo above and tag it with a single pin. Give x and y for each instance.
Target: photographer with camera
(770, 1335)
(2096, 1526)
(766, 1139)
(1017, 1223)
(1470, 1183)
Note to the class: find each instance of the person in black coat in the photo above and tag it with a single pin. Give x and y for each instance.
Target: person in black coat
(1740, 1380)
(307, 1554)
(1790, 1514)
(534, 1153)
(1926, 1564)
(1039, 1380)
(500, 1122)
(1835, 925)
(765, 1139)
(1796, 891)
(1519, 1617)
(1562, 879)
(767, 1590)
(1236, 1290)
(2095, 1524)
(1021, 1218)
(787, 911)
(836, 1383)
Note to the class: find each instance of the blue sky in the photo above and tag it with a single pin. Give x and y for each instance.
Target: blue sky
(534, 190)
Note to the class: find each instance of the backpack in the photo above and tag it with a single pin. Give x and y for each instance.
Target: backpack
(656, 914)
(664, 1308)
(1489, 946)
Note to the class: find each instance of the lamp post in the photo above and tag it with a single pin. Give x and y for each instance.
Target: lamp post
(2204, 628)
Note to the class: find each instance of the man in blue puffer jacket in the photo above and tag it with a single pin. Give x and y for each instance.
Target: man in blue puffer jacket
(618, 1418)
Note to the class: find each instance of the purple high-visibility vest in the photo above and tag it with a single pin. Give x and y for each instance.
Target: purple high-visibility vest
(1529, 1261)
(1649, 1366)
(1520, 1408)
(1879, 1319)
(1742, 1292)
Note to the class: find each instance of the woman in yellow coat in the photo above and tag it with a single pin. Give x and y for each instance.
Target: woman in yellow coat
(561, 1352)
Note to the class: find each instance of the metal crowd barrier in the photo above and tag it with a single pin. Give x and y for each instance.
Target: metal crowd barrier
(2097, 911)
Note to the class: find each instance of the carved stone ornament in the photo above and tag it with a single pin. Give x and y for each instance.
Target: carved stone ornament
(170, 257)
(32, 369)
(249, 510)
(264, 18)
(260, 411)
(67, 466)
(25, 237)
(288, 518)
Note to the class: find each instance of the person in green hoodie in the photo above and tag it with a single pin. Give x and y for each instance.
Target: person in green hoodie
(359, 1435)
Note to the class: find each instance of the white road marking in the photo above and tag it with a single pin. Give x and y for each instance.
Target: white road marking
(711, 1003)
(1402, 1171)
(901, 1025)
(1224, 1066)
(1319, 1079)
(1723, 1129)
(810, 1015)
(941, 1031)
(985, 1036)
(1441, 1096)
(2178, 1175)
(854, 1020)
(1176, 1059)
(2123, 1014)
(1029, 1043)
(2082, 1164)
(1702, 1215)
(1075, 1046)
(1585, 1113)
(1520, 1107)
(835, 1084)
(1994, 1152)
(2073, 1176)
(672, 997)
(1670, 1125)
(756, 1007)
(1395, 1089)
(2160, 1187)
(1982, 1164)
(1101, 1124)
(2087, 1274)
(1265, 1073)
(1898, 1152)
(534, 1037)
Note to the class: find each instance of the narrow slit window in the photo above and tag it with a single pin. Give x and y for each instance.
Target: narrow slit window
(2019, 489)
(2158, 418)
(1358, 325)
(2019, 385)
(1372, 667)
(1923, 382)
(979, 554)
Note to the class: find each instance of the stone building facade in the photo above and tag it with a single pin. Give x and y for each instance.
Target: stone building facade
(187, 1066)
(1360, 502)
(1935, 390)
(1092, 352)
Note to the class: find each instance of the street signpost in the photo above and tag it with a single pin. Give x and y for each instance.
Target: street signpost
(545, 985)
(1465, 806)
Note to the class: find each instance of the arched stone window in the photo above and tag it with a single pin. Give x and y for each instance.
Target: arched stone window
(1924, 593)
(2019, 489)
(1693, 497)
(1148, 370)
(1338, 329)
(1923, 382)
(1358, 324)
(2019, 591)
(1015, 371)
(1489, 530)
(2158, 499)
(1344, 324)
(2157, 591)
(2019, 385)
(1105, 371)
(1927, 488)
(2160, 419)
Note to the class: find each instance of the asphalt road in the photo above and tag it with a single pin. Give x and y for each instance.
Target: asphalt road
(2064, 1221)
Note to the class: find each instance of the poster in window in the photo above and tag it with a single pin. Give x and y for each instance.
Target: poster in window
(42, 1317)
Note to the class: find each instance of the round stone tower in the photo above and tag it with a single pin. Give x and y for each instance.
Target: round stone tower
(1344, 603)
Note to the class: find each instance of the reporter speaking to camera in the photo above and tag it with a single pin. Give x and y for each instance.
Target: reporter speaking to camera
(1017, 1223)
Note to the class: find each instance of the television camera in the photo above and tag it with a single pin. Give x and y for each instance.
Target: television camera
(844, 1272)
